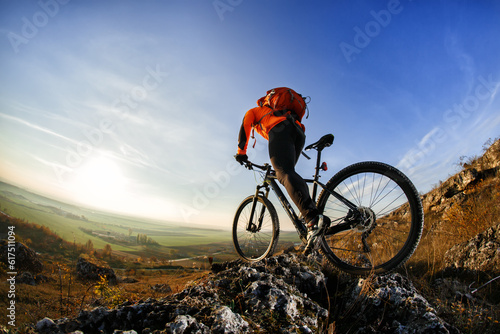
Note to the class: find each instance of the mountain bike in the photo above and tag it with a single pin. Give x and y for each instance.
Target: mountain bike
(375, 211)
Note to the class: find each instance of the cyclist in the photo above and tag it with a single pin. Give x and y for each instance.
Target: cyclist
(286, 137)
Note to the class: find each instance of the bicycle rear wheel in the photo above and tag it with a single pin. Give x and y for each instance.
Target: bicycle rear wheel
(255, 240)
(386, 232)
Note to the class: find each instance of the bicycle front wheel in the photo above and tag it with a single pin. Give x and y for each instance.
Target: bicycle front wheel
(257, 238)
(389, 221)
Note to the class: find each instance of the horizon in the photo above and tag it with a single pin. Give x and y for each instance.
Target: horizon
(102, 211)
(134, 108)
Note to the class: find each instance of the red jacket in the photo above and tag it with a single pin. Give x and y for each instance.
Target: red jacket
(251, 120)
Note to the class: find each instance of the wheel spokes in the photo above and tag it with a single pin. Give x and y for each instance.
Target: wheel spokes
(385, 236)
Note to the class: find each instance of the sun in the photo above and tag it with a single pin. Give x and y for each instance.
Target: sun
(99, 182)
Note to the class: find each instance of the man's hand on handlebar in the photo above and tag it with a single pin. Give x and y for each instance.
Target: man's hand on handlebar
(241, 158)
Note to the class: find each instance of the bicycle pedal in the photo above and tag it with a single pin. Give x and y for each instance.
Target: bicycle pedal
(325, 223)
(307, 251)
(310, 251)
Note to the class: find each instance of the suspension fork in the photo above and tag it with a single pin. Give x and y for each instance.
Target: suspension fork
(251, 227)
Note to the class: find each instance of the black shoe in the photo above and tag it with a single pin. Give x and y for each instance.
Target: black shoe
(314, 232)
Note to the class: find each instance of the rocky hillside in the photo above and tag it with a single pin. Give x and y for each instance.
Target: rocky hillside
(284, 294)
(466, 208)
(455, 188)
(481, 253)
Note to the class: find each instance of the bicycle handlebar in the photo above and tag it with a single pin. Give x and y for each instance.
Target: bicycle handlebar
(249, 165)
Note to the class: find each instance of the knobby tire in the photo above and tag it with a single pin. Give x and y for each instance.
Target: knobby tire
(255, 245)
(383, 192)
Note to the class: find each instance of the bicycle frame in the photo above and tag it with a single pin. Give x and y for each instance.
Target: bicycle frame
(375, 215)
(270, 180)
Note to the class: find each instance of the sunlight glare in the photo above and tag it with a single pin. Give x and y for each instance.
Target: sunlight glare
(100, 182)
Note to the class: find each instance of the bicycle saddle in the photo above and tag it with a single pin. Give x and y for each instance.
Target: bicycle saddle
(324, 141)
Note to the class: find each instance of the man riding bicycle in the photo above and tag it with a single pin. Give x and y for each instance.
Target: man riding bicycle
(278, 118)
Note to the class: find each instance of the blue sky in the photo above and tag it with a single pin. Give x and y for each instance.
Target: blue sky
(135, 107)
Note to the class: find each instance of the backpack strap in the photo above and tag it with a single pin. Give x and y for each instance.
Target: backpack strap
(303, 99)
(268, 97)
(307, 102)
(253, 137)
(260, 120)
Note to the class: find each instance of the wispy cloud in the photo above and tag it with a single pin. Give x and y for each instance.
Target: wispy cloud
(456, 50)
(38, 128)
(51, 164)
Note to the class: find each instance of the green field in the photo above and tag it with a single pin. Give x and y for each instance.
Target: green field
(73, 224)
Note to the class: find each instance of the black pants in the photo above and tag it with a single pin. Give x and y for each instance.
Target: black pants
(285, 146)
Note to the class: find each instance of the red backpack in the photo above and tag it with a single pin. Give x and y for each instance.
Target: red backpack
(284, 99)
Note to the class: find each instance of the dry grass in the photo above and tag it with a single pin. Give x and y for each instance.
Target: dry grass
(65, 296)
(478, 210)
(473, 212)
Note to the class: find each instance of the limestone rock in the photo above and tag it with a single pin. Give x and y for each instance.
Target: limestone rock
(26, 258)
(481, 253)
(391, 304)
(162, 288)
(89, 268)
(456, 187)
(284, 294)
(270, 296)
(25, 278)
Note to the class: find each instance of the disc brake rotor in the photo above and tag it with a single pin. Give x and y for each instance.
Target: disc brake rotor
(367, 221)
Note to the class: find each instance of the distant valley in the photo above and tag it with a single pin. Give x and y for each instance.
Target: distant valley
(128, 237)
